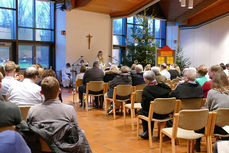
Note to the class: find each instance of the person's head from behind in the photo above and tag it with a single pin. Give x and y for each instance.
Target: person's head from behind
(133, 66)
(68, 65)
(47, 73)
(190, 74)
(83, 69)
(220, 82)
(149, 76)
(222, 66)
(139, 68)
(10, 68)
(213, 69)
(100, 53)
(114, 68)
(50, 88)
(96, 64)
(125, 69)
(163, 66)
(202, 70)
(31, 73)
(156, 70)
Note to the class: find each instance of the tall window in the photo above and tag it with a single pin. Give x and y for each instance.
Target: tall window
(124, 28)
(31, 24)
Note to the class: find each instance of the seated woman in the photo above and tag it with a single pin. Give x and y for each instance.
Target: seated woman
(150, 92)
(110, 74)
(81, 74)
(159, 78)
(202, 71)
(123, 79)
(218, 97)
(137, 78)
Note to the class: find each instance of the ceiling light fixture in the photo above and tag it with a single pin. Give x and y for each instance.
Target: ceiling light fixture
(190, 3)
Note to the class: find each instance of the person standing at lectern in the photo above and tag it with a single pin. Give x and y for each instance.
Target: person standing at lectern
(99, 58)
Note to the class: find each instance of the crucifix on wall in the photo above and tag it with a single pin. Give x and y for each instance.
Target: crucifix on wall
(89, 40)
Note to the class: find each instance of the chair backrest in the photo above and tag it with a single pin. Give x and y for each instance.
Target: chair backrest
(78, 83)
(192, 103)
(136, 97)
(44, 146)
(95, 86)
(140, 86)
(162, 106)
(123, 90)
(7, 128)
(24, 111)
(193, 119)
(222, 117)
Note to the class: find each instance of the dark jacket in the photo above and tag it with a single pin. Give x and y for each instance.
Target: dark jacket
(10, 113)
(137, 79)
(68, 138)
(151, 92)
(110, 75)
(122, 79)
(93, 74)
(188, 90)
(174, 74)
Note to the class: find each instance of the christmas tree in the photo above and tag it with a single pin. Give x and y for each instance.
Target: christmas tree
(143, 49)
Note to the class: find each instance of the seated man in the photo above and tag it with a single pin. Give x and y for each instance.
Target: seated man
(138, 79)
(93, 74)
(56, 119)
(150, 92)
(10, 114)
(26, 92)
(190, 88)
(13, 142)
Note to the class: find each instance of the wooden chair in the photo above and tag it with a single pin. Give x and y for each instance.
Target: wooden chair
(184, 124)
(220, 118)
(24, 111)
(139, 87)
(94, 86)
(78, 83)
(159, 106)
(7, 128)
(120, 90)
(44, 146)
(136, 98)
(191, 103)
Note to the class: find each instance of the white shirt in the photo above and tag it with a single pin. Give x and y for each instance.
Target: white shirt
(25, 93)
(227, 72)
(79, 76)
(6, 83)
(166, 74)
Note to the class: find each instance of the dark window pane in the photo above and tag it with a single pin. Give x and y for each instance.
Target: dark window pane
(117, 26)
(43, 14)
(4, 55)
(7, 24)
(25, 56)
(42, 56)
(44, 35)
(25, 13)
(8, 3)
(25, 34)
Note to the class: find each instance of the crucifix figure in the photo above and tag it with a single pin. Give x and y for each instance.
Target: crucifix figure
(89, 40)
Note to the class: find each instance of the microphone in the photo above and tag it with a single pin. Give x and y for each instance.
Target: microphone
(81, 56)
(110, 56)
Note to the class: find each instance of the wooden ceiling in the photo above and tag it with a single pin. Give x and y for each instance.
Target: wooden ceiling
(203, 10)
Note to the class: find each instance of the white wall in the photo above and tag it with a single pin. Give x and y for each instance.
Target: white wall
(171, 35)
(79, 25)
(208, 44)
(60, 39)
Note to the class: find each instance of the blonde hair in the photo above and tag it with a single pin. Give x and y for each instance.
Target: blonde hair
(1, 77)
(220, 82)
(10, 66)
(114, 68)
(202, 70)
(125, 69)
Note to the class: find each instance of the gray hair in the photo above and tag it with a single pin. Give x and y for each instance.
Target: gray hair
(190, 73)
(156, 70)
(31, 72)
(139, 68)
(149, 75)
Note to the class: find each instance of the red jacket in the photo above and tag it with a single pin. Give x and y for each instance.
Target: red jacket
(206, 87)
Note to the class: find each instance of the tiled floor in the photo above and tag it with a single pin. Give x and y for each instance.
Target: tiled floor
(106, 135)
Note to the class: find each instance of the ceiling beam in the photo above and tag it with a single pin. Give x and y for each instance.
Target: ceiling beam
(216, 9)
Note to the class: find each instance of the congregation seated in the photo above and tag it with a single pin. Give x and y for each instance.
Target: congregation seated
(13, 142)
(202, 71)
(159, 78)
(93, 74)
(164, 71)
(10, 114)
(211, 72)
(26, 92)
(150, 92)
(57, 120)
(110, 74)
(8, 80)
(138, 79)
(123, 78)
(189, 88)
(173, 72)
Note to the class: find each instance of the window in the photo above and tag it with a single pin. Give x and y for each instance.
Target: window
(31, 24)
